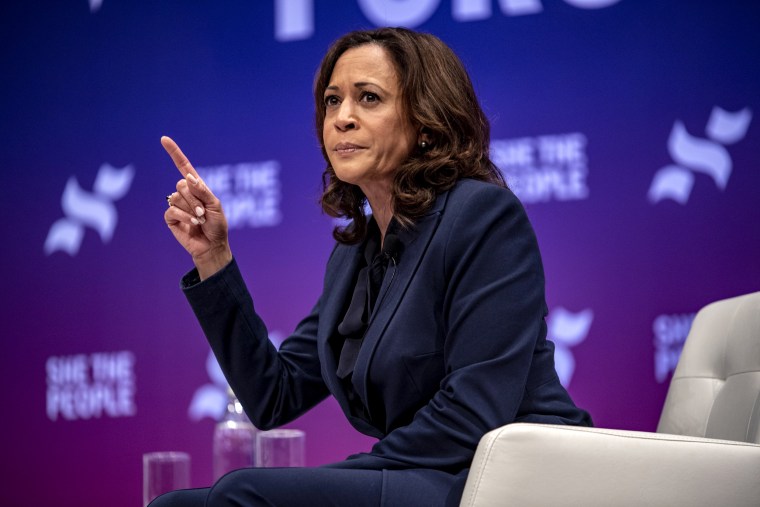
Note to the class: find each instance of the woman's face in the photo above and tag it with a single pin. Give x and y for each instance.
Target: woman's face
(365, 133)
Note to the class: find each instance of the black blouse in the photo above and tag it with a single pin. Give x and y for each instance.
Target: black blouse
(354, 325)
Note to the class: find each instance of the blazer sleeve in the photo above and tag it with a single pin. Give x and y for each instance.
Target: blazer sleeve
(494, 311)
(273, 386)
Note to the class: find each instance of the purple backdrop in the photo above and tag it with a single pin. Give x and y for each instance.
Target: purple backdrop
(627, 127)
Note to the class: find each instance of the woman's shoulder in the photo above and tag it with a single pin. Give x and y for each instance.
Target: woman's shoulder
(480, 193)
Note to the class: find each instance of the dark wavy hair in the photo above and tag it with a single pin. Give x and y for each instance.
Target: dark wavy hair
(439, 99)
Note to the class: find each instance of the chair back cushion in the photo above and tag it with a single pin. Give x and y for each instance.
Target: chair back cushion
(715, 391)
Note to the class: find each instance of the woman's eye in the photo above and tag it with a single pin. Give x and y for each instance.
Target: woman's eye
(331, 100)
(369, 97)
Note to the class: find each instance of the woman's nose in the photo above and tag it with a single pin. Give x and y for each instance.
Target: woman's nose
(346, 118)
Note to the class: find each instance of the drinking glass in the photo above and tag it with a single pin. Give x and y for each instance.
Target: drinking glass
(164, 472)
(280, 448)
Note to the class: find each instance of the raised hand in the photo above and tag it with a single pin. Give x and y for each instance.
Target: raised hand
(195, 216)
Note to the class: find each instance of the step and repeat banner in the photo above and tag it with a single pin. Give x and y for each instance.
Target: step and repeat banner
(629, 129)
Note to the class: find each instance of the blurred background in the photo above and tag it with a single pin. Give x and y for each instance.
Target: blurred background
(627, 127)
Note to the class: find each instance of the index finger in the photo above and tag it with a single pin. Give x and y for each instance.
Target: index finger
(179, 158)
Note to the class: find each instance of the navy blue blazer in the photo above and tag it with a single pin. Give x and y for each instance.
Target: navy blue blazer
(456, 345)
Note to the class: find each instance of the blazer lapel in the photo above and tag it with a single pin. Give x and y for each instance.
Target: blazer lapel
(415, 241)
(341, 274)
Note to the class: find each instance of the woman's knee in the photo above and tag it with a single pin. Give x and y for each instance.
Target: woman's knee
(181, 498)
(239, 487)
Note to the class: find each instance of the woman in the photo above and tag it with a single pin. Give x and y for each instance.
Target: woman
(430, 330)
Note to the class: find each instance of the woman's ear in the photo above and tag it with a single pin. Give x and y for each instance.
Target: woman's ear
(424, 138)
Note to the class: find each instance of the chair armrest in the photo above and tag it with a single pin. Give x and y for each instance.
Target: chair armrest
(544, 465)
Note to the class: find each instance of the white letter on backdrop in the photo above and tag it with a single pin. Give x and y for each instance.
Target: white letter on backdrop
(591, 4)
(293, 19)
(408, 13)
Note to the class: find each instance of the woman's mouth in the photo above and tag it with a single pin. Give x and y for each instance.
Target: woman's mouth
(347, 148)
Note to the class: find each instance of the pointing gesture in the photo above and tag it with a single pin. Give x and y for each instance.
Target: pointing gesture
(195, 216)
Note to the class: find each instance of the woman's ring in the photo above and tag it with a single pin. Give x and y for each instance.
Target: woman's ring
(169, 200)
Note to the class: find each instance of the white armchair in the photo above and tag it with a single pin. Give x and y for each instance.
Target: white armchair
(705, 451)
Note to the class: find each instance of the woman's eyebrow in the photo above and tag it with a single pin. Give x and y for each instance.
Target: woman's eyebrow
(358, 84)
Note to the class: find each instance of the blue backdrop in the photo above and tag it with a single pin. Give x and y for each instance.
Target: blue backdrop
(627, 128)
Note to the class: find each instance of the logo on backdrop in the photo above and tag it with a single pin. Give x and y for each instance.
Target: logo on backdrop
(89, 209)
(344, 222)
(567, 329)
(693, 154)
(250, 192)
(210, 400)
(294, 19)
(544, 168)
(670, 332)
(91, 386)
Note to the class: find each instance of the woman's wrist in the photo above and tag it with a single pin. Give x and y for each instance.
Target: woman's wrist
(212, 261)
